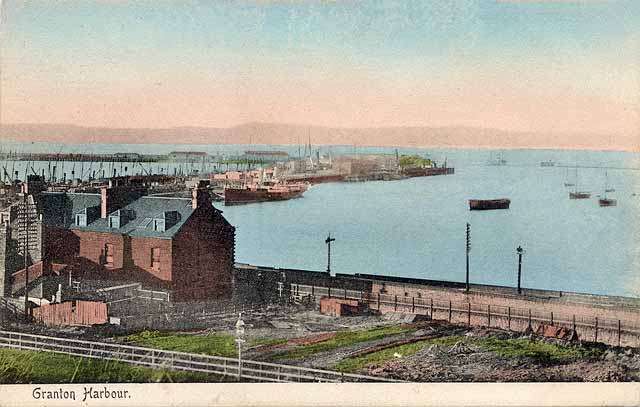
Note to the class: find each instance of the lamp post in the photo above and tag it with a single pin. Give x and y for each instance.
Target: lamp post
(328, 241)
(468, 250)
(520, 251)
(240, 340)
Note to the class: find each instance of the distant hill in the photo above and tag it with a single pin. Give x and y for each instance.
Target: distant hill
(274, 133)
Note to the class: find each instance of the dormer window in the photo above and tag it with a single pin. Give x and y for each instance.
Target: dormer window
(167, 221)
(81, 219)
(158, 225)
(120, 218)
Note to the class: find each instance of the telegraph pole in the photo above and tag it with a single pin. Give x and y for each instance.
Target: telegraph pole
(468, 250)
(519, 250)
(328, 242)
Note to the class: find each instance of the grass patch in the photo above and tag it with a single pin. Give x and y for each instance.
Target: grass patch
(219, 344)
(341, 339)
(523, 347)
(20, 366)
(357, 363)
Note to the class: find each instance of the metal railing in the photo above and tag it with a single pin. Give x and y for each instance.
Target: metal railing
(490, 315)
(156, 358)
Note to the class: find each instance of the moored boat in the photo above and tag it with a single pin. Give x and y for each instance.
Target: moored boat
(487, 204)
(607, 202)
(265, 192)
(579, 195)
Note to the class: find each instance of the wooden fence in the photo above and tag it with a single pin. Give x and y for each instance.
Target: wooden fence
(74, 312)
(234, 369)
(615, 332)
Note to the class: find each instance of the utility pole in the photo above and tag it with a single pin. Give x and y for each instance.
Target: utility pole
(519, 250)
(328, 242)
(468, 250)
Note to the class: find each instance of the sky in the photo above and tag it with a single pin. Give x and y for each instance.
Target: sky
(542, 66)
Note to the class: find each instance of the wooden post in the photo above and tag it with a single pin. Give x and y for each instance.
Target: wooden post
(378, 301)
(574, 322)
(345, 293)
(449, 310)
(489, 316)
(313, 291)
(530, 318)
(551, 318)
(596, 333)
(395, 303)
(431, 308)
(469, 313)
(619, 332)
(329, 292)
(413, 305)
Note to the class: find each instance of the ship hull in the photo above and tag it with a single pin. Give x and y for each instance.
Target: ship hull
(239, 196)
(488, 204)
(607, 202)
(579, 195)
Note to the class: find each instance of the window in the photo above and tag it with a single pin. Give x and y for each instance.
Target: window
(81, 219)
(108, 255)
(155, 259)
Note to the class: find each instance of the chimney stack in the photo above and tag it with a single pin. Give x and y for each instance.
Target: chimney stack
(117, 196)
(200, 195)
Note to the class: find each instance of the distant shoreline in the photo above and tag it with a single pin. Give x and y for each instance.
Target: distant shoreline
(456, 137)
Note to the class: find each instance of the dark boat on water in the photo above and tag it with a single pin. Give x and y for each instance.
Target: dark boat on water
(579, 195)
(487, 204)
(604, 201)
(607, 202)
(265, 192)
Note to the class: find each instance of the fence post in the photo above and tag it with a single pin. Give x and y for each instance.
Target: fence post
(395, 303)
(378, 302)
(619, 332)
(574, 323)
(413, 305)
(431, 299)
(596, 333)
(509, 318)
(329, 292)
(313, 291)
(488, 316)
(449, 310)
(530, 319)
(551, 318)
(469, 313)
(345, 293)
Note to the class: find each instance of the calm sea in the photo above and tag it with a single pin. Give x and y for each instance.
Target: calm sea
(416, 227)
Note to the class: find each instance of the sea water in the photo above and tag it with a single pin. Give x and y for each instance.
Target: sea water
(416, 227)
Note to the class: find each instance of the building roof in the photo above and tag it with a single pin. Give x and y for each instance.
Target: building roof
(142, 213)
(58, 208)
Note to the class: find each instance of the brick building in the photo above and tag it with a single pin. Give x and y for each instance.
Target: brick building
(183, 245)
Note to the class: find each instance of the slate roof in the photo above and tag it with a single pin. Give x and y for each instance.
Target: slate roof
(59, 208)
(143, 211)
